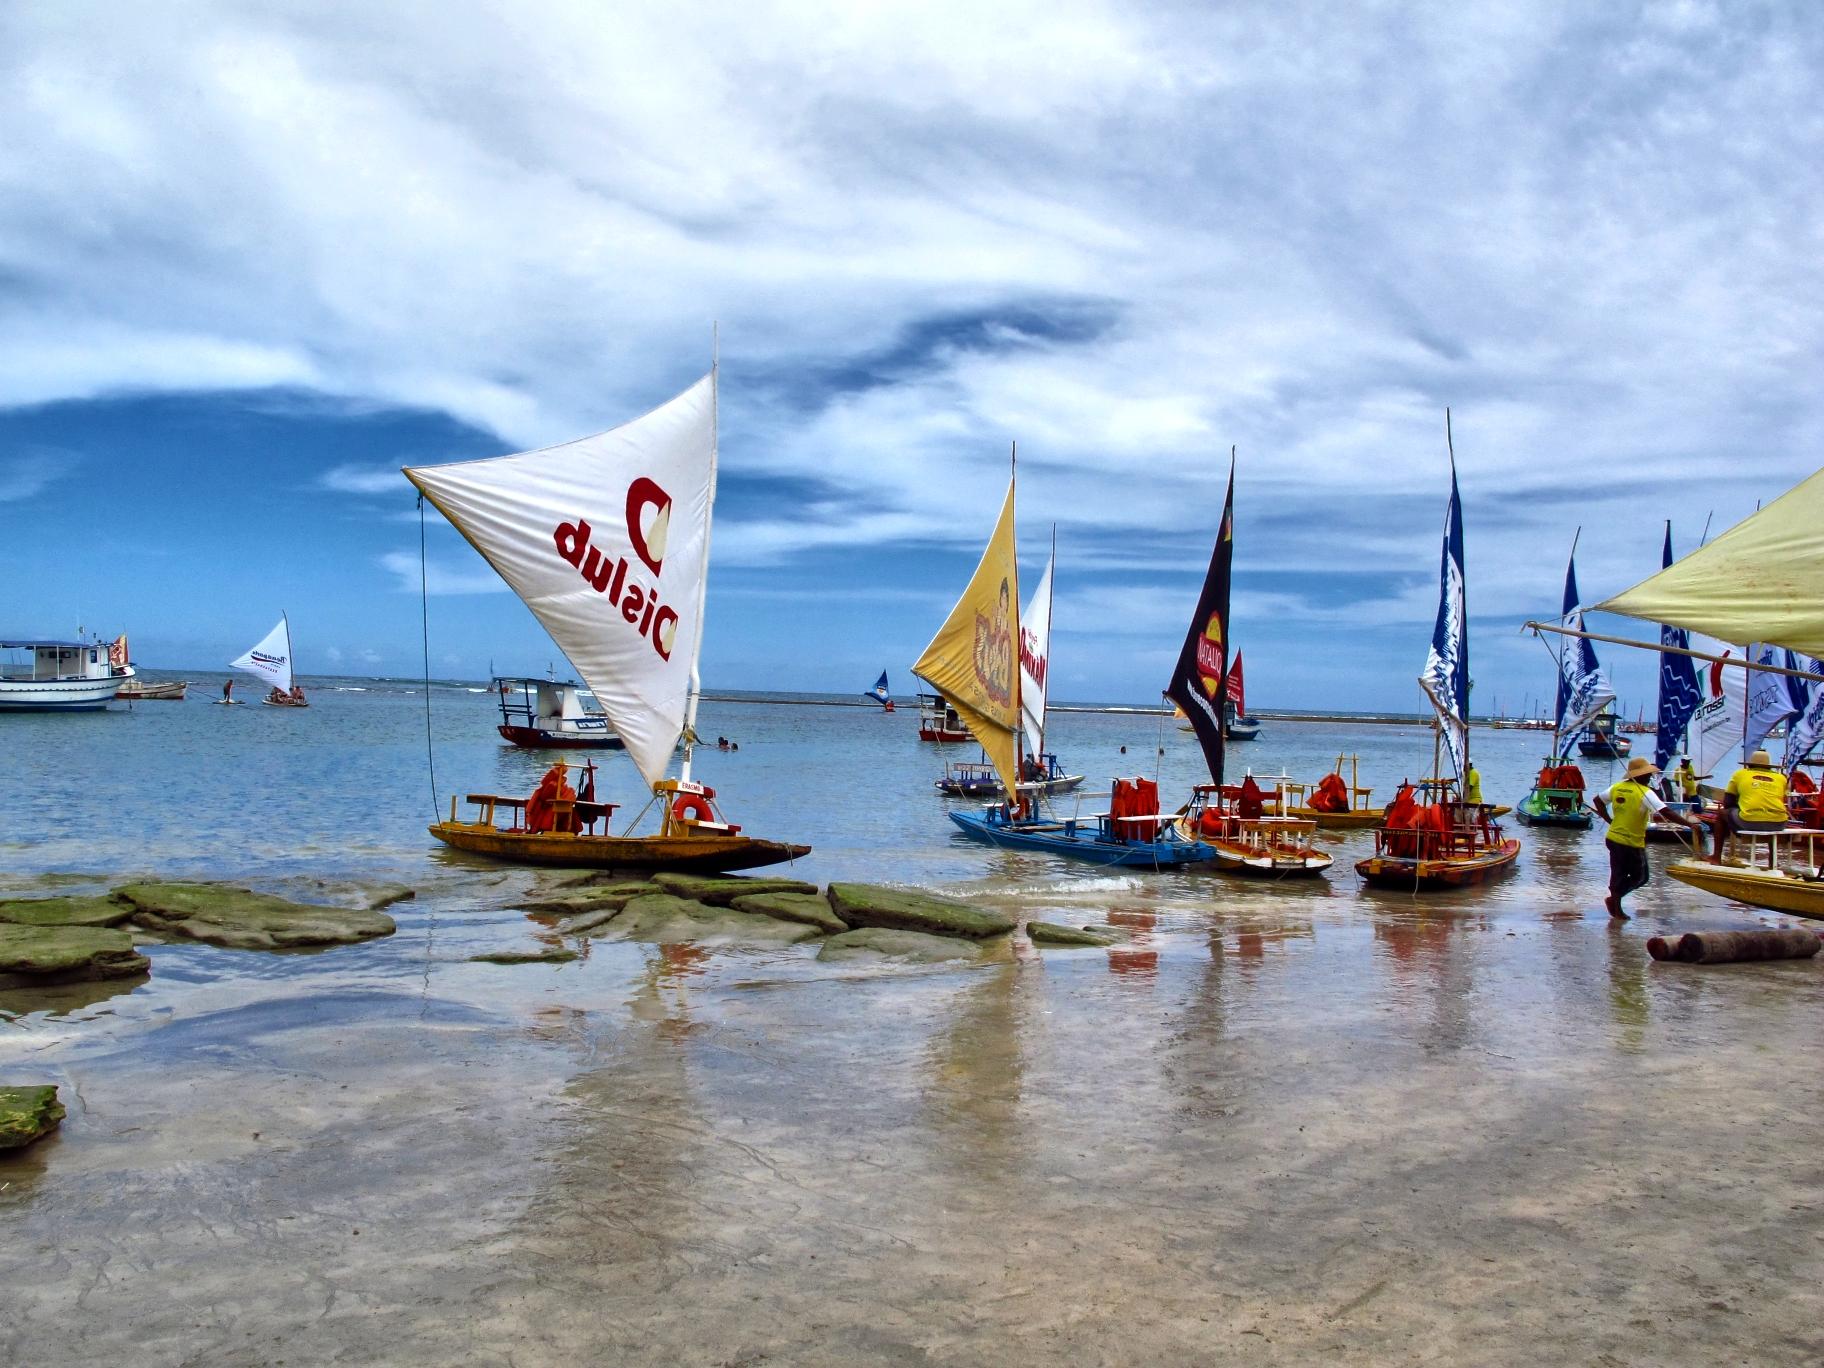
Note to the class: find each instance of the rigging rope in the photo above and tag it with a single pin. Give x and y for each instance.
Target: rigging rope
(424, 622)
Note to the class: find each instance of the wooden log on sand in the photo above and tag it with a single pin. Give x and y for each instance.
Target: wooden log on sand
(1734, 947)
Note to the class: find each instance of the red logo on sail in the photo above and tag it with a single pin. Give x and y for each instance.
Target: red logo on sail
(638, 602)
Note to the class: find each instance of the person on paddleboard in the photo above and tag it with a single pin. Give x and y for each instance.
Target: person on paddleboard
(1627, 807)
(227, 691)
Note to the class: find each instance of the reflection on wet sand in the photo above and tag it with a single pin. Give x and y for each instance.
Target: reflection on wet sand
(1431, 966)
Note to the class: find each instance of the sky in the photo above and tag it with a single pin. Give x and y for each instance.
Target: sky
(253, 259)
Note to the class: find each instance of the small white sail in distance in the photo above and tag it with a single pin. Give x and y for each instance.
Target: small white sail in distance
(606, 539)
(1035, 661)
(271, 659)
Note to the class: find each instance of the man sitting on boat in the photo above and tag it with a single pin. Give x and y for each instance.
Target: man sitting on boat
(1754, 801)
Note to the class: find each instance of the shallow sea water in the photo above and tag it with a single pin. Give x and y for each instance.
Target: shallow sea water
(1283, 1122)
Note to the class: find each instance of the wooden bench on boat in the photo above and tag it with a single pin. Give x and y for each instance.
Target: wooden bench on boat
(562, 809)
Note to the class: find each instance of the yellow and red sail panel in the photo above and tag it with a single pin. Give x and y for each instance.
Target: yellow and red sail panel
(974, 659)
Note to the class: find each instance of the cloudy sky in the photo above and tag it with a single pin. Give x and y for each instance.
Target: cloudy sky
(254, 258)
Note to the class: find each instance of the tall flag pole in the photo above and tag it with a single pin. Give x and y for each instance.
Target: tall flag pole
(1200, 678)
(1583, 689)
(1678, 691)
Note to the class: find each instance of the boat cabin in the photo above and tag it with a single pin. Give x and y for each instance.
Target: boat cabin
(39, 661)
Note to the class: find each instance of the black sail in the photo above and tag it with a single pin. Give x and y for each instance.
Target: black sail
(1200, 680)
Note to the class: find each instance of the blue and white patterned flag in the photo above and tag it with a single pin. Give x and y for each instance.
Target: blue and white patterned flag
(1770, 700)
(1808, 727)
(1583, 689)
(1446, 675)
(1679, 694)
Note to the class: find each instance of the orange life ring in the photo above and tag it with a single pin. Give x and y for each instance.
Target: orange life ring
(693, 806)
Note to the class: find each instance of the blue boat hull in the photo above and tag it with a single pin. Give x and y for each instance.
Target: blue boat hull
(1080, 843)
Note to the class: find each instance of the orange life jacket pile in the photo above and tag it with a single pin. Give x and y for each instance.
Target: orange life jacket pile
(539, 807)
(1332, 795)
(1131, 799)
(1560, 777)
(1407, 819)
(1804, 803)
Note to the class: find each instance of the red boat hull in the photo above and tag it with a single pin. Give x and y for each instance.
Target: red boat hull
(534, 738)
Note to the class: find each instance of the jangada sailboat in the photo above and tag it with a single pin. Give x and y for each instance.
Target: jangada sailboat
(1230, 820)
(1556, 799)
(880, 693)
(606, 540)
(1040, 771)
(271, 661)
(973, 662)
(1444, 842)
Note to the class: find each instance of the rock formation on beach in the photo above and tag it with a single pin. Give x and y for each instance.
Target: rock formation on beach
(35, 955)
(238, 919)
(28, 1113)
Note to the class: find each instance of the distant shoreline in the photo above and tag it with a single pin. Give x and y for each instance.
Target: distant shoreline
(1109, 709)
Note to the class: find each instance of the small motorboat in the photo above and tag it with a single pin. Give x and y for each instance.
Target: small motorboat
(977, 778)
(1603, 742)
(1556, 799)
(938, 721)
(1133, 834)
(543, 714)
(143, 691)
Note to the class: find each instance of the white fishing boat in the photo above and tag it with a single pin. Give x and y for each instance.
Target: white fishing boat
(37, 675)
(271, 661)
(606, 540)
(543, 714)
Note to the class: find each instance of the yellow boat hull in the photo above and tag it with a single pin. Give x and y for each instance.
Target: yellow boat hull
(1769, 888)
(708, 852)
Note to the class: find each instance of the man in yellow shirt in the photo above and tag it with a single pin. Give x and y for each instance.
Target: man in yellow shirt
(1626, 808)
(1754, 801)
(1687, 780)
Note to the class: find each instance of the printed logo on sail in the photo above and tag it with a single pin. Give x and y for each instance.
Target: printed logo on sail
(1030, 660)
(648, 523)
(1209, 655)
(994, 650)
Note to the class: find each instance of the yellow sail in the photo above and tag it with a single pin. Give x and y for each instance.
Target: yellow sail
(974, 659)
(1757, 582)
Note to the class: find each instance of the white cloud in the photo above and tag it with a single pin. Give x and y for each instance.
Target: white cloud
(439, 577)
(1128, 237)
(23, 476)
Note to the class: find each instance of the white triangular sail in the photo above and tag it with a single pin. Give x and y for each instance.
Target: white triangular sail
(271, 659)
(1715, 731)
(1035, 661)
(606, 539)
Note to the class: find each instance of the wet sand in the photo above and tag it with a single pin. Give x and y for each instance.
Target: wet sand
(1281, 1127)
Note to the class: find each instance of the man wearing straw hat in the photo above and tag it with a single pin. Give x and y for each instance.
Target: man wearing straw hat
(1754, 801)
(1627, 807)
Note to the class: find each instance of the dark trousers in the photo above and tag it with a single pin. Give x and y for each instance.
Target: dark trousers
(1627, 869)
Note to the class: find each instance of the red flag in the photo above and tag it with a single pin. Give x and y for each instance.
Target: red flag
(1234, 686)
(117, 652)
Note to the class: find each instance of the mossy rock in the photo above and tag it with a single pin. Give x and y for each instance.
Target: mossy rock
(663, 919)
(31, 955)
(1050, 933)
(551, 955)
(580, 899)
(28, 1113)
(908, 945)
(809, 908)
(242, 920)
(584, 922)
(64, 912)
(721, 890)
(897, 909)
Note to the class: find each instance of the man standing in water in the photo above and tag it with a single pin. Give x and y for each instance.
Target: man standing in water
(1626, 807)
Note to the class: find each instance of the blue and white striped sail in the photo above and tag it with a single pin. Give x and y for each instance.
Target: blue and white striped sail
(1679, 694)
(1583, 689)
(1446, 675)
(879, 693)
